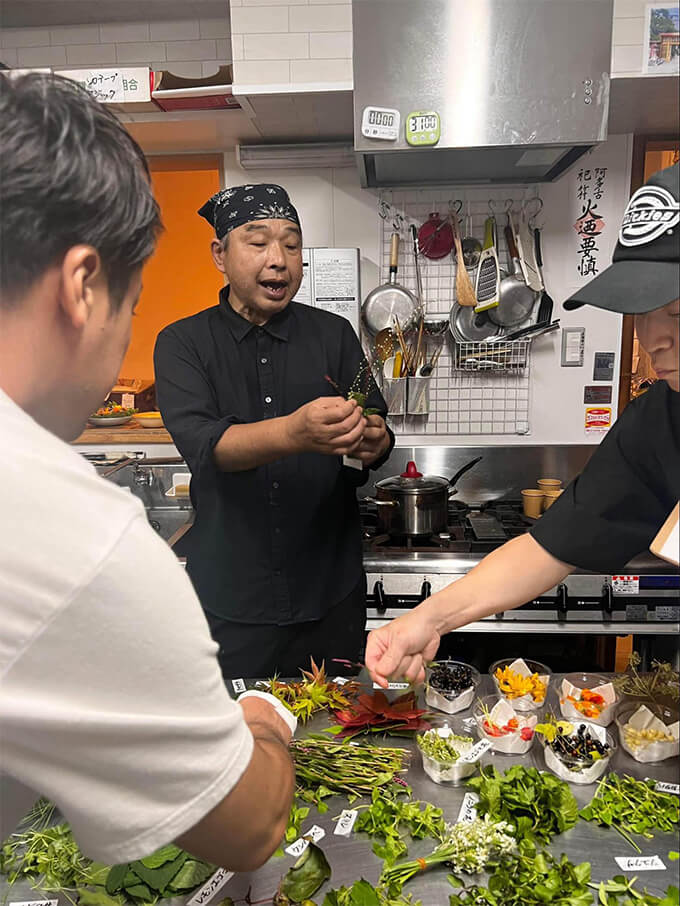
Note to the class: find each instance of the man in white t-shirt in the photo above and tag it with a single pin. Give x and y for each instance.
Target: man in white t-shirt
(112, 703)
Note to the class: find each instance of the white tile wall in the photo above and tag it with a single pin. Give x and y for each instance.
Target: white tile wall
(189, 48)
(628, 37)
(314, 38)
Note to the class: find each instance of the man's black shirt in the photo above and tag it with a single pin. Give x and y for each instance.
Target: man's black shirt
(614, 509)
(280, 543)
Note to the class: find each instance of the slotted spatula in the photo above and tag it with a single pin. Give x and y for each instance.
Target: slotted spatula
(488, 271)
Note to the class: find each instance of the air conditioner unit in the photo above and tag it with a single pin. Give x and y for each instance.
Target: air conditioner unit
(298, 156)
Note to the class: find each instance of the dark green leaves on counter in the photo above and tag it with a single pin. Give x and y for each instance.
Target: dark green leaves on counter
(621, 891)
(632, 807)
(306, 876)
(530, 879)
(538, 805)
(390, 819)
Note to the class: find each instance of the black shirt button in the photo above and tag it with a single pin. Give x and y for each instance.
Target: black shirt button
(277, 572)
(277, 531)
(264, 361)
(275, 484)
(267, 399)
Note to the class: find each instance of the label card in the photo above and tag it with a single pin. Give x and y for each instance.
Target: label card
(468, 812)
(475, 752)
(314, 834)
(211, 887)
(662, 787)
(340, 680)
(640, 863)
(35, 903)
(392, 686)
(238, 686)
(345, 822)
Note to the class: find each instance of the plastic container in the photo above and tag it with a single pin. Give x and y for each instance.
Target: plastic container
(575, 770)
(593, 682)
(452, 772)
(532, 502)
(647, 751)
(449, 702)
(511, 742)
(525, 702)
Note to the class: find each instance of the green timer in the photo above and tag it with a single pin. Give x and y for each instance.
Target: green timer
(423, 128)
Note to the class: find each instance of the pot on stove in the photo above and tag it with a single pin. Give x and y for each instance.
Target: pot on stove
(415, 504)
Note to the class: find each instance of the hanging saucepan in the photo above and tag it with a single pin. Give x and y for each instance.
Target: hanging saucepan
(415, 504)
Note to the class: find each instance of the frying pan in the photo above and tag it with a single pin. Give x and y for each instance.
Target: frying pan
(389, 303)
(516, 299)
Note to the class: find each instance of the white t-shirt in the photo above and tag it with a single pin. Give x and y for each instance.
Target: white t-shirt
(111, 699)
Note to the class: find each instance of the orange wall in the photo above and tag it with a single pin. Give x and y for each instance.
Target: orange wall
(180, 279)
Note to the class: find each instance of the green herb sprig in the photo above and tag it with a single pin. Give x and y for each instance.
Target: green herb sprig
(389, 820)
(537, 805)
(632, 807)
(444, 749)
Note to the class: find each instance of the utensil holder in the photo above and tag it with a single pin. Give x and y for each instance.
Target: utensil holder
(418, 399)
(394, 392)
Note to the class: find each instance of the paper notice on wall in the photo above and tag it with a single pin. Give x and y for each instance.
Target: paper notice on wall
(598, 419)
(597, 198)
(331, 281)
(336, 283)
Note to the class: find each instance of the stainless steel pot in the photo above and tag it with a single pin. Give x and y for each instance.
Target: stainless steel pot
(414, 504)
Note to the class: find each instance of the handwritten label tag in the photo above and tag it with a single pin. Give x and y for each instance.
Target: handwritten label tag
(238, 686)
(468, 812)
(211, 887)
(392, 686)
(346, 822)
(35, 903)
(475, 752)
(340, 680)
(353, 463)
(639, 863)
(314, 834)
(662, 787)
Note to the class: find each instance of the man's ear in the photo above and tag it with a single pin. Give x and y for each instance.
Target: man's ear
(81, 276)
(217, 253)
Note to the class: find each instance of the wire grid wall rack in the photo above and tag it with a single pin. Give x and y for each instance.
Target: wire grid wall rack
(467, 394)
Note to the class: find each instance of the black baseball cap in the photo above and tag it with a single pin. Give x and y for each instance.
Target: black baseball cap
(645, 273)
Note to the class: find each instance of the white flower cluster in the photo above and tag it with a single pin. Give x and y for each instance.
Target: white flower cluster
(473, 845)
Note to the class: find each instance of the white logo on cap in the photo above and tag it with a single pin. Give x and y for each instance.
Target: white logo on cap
(651, 211)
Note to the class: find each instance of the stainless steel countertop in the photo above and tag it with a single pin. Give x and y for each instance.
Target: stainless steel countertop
(352, 858)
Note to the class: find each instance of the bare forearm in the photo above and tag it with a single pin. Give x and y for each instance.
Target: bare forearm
(243, 831)
(248, 446)
(508, 577)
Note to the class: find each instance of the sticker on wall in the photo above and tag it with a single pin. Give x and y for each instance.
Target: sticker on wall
(660, 50)
(380, 123)
(597, 394)
(423, 128)
(598, 419)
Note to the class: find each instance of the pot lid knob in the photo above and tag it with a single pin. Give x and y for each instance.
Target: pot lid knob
(411, 471)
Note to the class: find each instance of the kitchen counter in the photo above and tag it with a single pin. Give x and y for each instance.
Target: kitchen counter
(132, 433)
(352, 857)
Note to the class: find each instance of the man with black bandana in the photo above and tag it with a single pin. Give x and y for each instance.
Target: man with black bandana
(275, 550)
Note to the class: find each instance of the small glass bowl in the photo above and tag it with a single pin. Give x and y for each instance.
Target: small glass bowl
(450, 702)
(450, 771)
(588, 681)
(648, 752)
(510, 743)
(575, 770)
(524, 702)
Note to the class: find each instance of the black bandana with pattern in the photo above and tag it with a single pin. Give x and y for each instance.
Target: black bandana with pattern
(231, 208)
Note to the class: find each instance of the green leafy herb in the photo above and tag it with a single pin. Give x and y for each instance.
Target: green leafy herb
(621, 891)
(444, 749)
(530, 878)
(362, 893)
(632, 807)
(662, 680)
(537, 805)
(389, 819)
(306, 876)
(324, 768)
(295, 818)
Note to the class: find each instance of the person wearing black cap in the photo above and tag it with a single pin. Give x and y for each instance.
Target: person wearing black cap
(275, 550)
(615, 508)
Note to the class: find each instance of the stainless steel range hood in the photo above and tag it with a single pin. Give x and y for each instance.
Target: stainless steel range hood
(521, 87)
